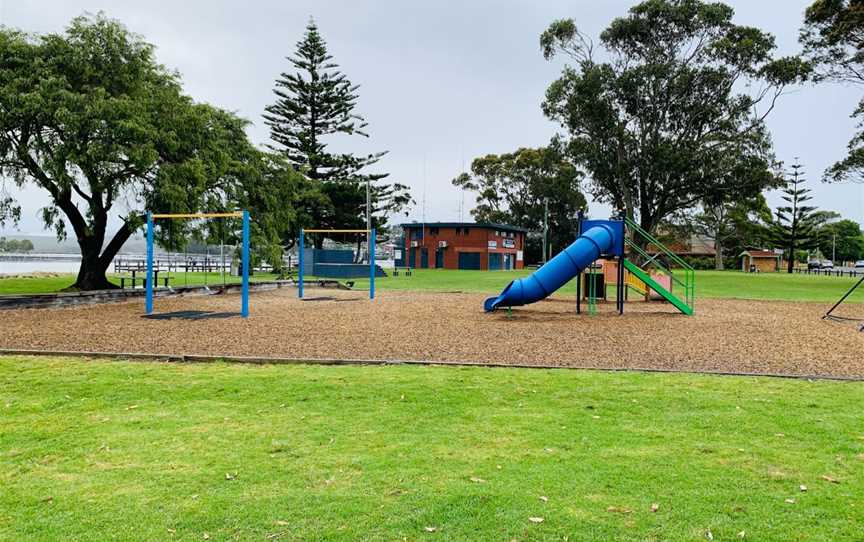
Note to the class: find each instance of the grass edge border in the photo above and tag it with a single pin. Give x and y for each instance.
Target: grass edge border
(264, 360)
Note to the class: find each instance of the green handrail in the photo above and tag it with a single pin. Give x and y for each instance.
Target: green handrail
(663, 248)
(642, 252)
(689, 282)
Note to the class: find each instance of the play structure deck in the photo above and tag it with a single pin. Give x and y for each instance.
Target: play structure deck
(607, 239)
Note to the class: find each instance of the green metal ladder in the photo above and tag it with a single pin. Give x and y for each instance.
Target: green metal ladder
(682, 277)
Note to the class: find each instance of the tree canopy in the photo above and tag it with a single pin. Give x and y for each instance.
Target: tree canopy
(842, 240)
(15, 245)
(833, 39)
(673, 115)
(312, 105)
(91, 118)
(517, 188)
(734, 226)
(796, 221)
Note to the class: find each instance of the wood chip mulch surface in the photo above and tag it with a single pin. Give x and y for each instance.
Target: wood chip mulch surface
(724, 335)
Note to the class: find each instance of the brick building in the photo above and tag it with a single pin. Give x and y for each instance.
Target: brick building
(462, 245)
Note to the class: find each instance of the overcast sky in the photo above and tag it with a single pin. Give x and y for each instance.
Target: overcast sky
(441, 82)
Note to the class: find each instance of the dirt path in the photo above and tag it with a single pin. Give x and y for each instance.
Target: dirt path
(724, 335)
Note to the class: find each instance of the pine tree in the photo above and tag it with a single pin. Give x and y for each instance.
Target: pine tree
(795, 224)
(314, 103)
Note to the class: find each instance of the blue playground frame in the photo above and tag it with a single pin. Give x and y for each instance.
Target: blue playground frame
(301, 245)
(244, 304)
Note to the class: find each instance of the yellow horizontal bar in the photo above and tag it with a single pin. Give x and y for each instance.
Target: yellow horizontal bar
(335, 231)
(200, 215)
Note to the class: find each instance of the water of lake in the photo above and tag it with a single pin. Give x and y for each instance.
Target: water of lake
(65, 265)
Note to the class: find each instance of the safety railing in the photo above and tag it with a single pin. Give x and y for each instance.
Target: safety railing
(681, 274)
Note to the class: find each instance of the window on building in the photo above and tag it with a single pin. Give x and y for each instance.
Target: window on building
(433, 231)
(465, 231)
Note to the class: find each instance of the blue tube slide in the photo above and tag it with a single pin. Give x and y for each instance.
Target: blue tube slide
(556, 272)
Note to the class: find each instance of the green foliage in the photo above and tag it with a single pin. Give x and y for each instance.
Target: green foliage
(700, 263)
(733, 225)
(273, 192)
(841, 240)
(795, 223)
(674, 115)
(91, 118)
(512, 188)
(313, 104)
(832, 43)
(15, 245)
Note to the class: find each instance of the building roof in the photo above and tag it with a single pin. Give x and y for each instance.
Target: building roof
(760, 254)
(485, 225)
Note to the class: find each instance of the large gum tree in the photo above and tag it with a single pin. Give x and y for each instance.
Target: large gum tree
(89, 117)
(670, 113)
(833, 39)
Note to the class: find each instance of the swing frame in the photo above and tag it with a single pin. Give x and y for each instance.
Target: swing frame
(152, 217)
(370, 235)
(830, 316)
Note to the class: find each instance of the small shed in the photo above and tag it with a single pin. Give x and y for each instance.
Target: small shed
(760, 261)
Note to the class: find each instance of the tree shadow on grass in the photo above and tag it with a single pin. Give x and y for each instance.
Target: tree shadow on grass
(191, 315)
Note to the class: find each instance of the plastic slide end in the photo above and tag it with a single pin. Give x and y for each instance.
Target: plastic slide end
(491, 304)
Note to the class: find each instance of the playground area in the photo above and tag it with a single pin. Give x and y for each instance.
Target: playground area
(724, 335)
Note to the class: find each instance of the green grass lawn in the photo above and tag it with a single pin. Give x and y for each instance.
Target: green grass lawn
(96, 450)
(709, 284)
(48, 285)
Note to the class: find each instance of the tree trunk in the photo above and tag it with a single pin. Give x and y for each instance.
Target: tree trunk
(91, 274)
(718, 253)
(790, 264)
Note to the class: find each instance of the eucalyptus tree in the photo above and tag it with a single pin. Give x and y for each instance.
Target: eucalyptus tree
(669, 111)
(530, 188)
(833, 39)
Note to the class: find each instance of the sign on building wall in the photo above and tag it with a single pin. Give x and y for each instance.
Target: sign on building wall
(509, 243)
(518, 255)
(397, 254)
(493, 244)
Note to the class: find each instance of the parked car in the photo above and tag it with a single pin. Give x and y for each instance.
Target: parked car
(827, 264)
(814, 264)
(859, 264)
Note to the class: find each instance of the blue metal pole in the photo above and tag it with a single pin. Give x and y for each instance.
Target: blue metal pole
(300, 251)
(148, 305)
(244, 311)
(372, 264)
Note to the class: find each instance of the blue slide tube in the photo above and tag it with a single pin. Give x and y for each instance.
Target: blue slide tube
(556, 272)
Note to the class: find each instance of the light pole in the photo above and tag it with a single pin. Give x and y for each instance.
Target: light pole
(545, 228)
(369, 221)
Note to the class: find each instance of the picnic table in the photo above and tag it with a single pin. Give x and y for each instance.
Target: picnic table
(134, 279)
